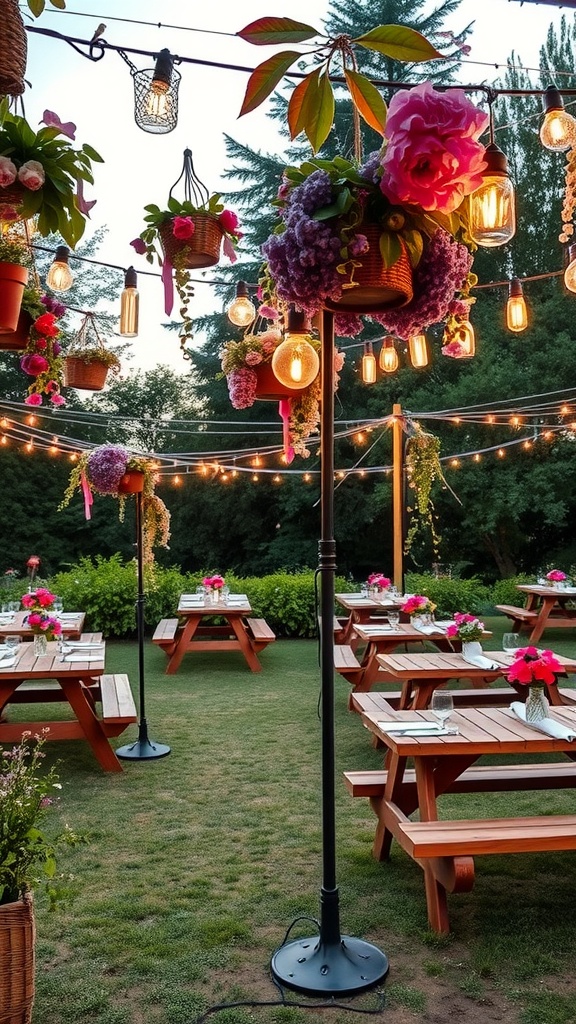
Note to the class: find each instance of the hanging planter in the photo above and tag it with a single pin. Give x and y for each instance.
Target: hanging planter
(13, 278)
(269, 388)
(16, 340)
(132, 482)
(202, 249)
(17, 942)
(13, 50)
(88, 360)
(372, 287)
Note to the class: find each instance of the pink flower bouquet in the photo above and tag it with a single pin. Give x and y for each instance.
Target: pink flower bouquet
(419, 604)
(556, 576)
(214, 582)
(534, 667)
(378, 580)
(466, 628)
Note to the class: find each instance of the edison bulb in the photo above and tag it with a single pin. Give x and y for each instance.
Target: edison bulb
(157, 101)
(418, 350)
(295, 363)
(59, 277)
(516, 312)
(558, 131)
(388, 356)
(241, 311)
(492, 212)
(369, 368)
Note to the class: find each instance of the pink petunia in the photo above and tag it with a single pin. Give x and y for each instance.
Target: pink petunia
(183, 228)
(229, 222)
(57, 399)
(67, 128)
(139, 245)
(33, 364)
(33, 399)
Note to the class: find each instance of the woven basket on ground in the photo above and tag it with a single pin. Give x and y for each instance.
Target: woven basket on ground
(17, 938)
(88, 376)
(201, 250)
(378, 287)
(13, 50)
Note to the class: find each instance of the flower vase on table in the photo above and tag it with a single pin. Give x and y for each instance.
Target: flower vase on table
(212, 588)
(537, 706)
(40, 645)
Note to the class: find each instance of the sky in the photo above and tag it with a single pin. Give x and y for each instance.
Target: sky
(140, 168)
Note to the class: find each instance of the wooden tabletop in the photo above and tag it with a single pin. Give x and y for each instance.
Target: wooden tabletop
(451, 666)
(189, 604)
(72, 624)
(547, 590)
(356, 602)
(53, 664)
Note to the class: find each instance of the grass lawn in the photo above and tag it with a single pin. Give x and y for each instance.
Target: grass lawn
(198, 863)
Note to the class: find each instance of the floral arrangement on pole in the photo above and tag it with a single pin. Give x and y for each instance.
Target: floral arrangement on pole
(300, 412)
(102, 470)
(187, 234)
(405, 206)
(465, 627)
(42, 358)
(38, 604)
(42, 175)
(378, 581)
(418, 604)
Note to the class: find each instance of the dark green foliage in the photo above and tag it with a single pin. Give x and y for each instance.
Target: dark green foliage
(448, 594)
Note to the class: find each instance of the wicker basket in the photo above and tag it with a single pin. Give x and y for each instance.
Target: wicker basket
(13, 50)
(87, 376)
(378, 287)
(201, 250)
(17, 939)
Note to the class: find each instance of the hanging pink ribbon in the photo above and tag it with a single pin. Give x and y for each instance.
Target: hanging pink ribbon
(168, 286)
(88, 499)
(284, 410)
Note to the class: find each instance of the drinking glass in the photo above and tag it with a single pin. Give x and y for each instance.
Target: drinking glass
(225, 594)
(14, 606)
(442, 706)
(510, 643)
(58, 606)
(393, 591)
(12, 643)
(393, 618)
(364, 590)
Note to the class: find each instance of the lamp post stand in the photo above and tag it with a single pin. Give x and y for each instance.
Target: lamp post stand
(143, 749)
(328, 964)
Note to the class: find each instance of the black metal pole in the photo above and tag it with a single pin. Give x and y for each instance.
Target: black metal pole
(143, 749)
(328, 964)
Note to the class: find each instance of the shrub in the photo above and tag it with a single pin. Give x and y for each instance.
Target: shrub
(449, 594)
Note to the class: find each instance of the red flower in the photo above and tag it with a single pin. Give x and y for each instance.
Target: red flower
(229, 222)
(183, 228)
(533, 666)
(34, 364)
(46, 324)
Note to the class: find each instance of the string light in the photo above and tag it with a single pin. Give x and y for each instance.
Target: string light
(368, 364)
(516, 312)
(388, 356)
(156, 95)
(241, 312)
(129, 305)
(558, 129)
(418, 351)
(60, 278)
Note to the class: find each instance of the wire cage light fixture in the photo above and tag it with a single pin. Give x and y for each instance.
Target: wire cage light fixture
(156, 94)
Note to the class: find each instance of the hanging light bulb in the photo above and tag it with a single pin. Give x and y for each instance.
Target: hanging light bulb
(241, 310)
(516, 312)
(295, 362)
(570, 272)
(492, 206)
(156, 96)
(418, 350)
(388, 356)
(60, 277)
(368, 364)
(129, 305)
(558, 129)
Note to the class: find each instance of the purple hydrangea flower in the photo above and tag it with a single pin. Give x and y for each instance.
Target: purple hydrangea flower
(106, 467)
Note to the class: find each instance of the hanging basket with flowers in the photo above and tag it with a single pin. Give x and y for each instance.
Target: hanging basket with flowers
(188, 234)
(112, 470)
(88, 361)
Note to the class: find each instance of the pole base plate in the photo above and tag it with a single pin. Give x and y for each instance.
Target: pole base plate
(317, 968)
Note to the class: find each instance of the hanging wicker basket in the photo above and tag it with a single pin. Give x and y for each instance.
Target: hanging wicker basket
(377, 287)
(201, 250)
(84, 375)
(17, 940)
(13, 50)
(88, 360)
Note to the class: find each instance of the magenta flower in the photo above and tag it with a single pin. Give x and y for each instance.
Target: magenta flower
(556, 575)
(52, 120)
(183, 228)
(34, 364)
(33, 399)
(57, 400)
(229, 222)
(139, 246)
(433, 157)
(533, 666)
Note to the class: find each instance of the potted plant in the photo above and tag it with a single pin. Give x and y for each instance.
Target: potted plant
(112, 470)
(243, 363)
(187, 235)
(26, 855)
(88, 361)
(42, 175)
(15, 261)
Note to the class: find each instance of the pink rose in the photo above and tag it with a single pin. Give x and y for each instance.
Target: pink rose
(34, 364)
(31, 175)
(229, 222)
(183, 228)
(33, 399)
(433, 157)
(8, 172)
(57, 400)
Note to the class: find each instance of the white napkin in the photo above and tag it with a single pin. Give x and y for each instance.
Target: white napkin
(548, 725)
(236, 600)
(428, 629)
(479, 661)
(377, 629)
(8, 662)
(68, 616)
(5, 652)
(83, 657)
(84, 645)
(417, 728)
(191, 602)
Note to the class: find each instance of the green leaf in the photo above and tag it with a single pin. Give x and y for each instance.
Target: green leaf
(390, 248)
(415, 245)
(367, 100)
(36, 6)
(400, 43)
(276, 30)
(92, 154)
(60, 4)
(319, 111)
(265, 78)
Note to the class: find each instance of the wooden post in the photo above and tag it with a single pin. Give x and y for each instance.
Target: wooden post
(398, 496)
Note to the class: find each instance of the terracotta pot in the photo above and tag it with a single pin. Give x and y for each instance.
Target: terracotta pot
(18, 339)
(269, 388)
(17, 940)
(378, 287)
(13, 278)
(201, 250)
(85, 376)
(132, 482)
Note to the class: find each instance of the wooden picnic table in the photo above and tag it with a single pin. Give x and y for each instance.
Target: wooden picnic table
(420, 674)
(363, 610)
(447, 763)
(545, 607)
(81, 682)
(13, 624)
(240, 631)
